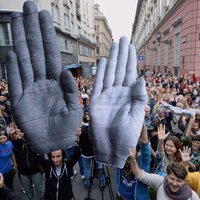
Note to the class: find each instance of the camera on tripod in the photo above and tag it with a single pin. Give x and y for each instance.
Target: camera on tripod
(103, 177)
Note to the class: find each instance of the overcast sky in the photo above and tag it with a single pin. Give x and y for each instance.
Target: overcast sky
(120, 15)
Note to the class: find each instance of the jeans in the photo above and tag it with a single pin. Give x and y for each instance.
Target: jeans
(69, 155)
(88, 164)
(37, 180)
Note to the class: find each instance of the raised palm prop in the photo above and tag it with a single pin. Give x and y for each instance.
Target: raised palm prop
(44, 98)
(117, 105)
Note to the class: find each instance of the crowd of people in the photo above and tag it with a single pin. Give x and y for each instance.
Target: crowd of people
(166, 162)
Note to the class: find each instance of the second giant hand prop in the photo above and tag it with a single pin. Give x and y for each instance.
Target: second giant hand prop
(117, 105)
(44, 98)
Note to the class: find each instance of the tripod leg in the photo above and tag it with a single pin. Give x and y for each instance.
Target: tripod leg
(108, 183)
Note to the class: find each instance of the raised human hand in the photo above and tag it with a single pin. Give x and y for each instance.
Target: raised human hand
(185, 154)
(1, 180)
(161, 132)
(132, 153)
(44, 98)
(117, 105)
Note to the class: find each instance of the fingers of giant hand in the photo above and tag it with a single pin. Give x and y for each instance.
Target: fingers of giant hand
(21, 49)
(122, 58)
(131, 67)
(52, 53)
(119, 69)
(14, 79)
(98, 82)
(139, 95)
(34, 39)
(121, 65)
(109, 74)
(139, 89)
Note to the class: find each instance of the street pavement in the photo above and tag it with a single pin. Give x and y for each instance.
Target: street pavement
(78, 187)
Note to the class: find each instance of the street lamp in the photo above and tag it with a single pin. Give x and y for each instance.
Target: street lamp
(158, 37)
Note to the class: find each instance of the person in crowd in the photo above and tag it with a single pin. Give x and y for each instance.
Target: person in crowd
(29, 171)
(57, 175)
(164, 118)
(192, 127)
(192, 178)
(181, 98)
(194, 143)
(87, 155)
(177, 122)
(85, 99)
(5, 192)
(173, 186)
(5, 108)
(153, 139)
(148, 117)
(167, 151)
(69, 154)
(127, 186)
(8, 165)
(194, 164)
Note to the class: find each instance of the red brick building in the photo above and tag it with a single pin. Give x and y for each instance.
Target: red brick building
(167, 36)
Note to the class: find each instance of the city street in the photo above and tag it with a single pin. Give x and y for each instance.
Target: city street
(78, 187)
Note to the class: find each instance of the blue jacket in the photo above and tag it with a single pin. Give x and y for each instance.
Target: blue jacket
(133, 189)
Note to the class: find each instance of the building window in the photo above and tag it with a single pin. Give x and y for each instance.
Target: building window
(79, 30)
(154, 57)
(176, 71)
(158, 68)
(73, 29)
(98, 50)
(55, 13)
(165, 69)
(167, 3)
(66, 21)
(161, 7)
(5, 34)
(85, 51)
(166, 51)
(96, 27)
(97, 38)
(183, 61)
(177, 49)
(68, 46)
(158, 56)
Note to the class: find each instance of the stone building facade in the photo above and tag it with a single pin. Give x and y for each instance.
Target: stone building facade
(74, 23)
(103, 34)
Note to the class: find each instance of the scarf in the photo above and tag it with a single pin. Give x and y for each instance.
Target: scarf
(183, 194)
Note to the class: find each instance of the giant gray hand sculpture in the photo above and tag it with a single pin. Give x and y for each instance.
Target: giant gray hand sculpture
(117, 105)
(44, 98)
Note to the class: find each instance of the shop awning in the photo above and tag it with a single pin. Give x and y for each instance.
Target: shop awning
(72, 66)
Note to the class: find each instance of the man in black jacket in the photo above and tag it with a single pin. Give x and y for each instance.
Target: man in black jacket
(57, 177)
(5, 192)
